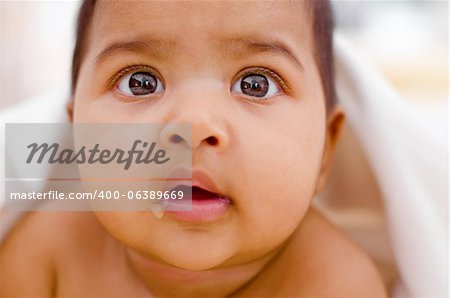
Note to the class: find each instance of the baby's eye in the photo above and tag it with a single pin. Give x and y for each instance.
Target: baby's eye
(140, 84)
(256, 85)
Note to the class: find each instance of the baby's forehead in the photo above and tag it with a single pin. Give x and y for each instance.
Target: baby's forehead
(186, 21)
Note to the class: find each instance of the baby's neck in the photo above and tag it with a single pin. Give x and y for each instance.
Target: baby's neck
(168, 281)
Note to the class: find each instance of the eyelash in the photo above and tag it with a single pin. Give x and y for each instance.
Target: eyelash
(267, 71)
(113, 81)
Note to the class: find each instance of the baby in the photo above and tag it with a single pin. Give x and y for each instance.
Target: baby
(255, 81)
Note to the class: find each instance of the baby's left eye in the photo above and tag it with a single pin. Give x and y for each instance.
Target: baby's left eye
(256, 85)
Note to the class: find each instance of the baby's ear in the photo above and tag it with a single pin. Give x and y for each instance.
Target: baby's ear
(335, 125)
(69, 109)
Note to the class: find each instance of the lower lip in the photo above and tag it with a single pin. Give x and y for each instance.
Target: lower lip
(204, 210)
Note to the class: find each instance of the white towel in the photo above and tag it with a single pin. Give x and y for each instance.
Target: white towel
(407, 150)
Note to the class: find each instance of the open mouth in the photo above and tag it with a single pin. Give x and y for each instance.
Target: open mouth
(200, 194)
(208, 203)
(205, 205)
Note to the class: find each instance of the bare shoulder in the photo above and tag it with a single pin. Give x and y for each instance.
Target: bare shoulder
(320, 261)
(28, 256)
(335, 265)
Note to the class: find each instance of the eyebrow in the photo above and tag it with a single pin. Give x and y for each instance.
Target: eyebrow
(248, 46)
(153, 47)
(237, 46)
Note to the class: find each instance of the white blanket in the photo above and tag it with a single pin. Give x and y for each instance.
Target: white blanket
(407, 148)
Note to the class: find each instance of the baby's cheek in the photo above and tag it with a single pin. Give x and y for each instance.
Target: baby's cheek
(278, 191)
(275, 215)
(134, 229)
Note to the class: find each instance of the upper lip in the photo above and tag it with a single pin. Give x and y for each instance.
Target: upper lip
(200, 179)
(203, 180)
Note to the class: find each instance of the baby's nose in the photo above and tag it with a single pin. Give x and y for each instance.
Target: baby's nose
(193, 135)
(199, 114)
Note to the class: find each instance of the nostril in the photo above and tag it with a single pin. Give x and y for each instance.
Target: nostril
(176, 139)
(212, 141)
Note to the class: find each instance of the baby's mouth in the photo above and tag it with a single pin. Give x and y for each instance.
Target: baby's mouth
(200, 194)
(205, 205)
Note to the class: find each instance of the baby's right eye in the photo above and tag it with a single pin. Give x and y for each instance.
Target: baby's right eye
(140, 84)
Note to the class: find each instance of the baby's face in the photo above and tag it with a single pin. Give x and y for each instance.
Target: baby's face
(243, 74)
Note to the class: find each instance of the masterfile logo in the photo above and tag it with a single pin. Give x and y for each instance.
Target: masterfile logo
(118, 167)
(140, 152)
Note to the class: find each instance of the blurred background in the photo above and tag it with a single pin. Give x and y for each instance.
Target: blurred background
(36, 41)
(408, 40)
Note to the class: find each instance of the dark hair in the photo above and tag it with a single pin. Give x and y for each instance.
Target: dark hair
(323, 25)
(81, 34)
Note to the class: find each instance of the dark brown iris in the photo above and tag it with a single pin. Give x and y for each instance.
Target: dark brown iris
(255, 85)
(142, 83)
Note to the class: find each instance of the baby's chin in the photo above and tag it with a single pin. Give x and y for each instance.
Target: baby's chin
(185, 248)
(199, 261)
(196, 252)
(193, 257)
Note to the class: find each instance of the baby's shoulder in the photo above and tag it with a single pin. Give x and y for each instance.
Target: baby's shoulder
(50, 231)
(345, 267)
(320, 261)
(31, 251)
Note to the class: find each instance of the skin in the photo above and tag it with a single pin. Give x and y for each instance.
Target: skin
(270, 156)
